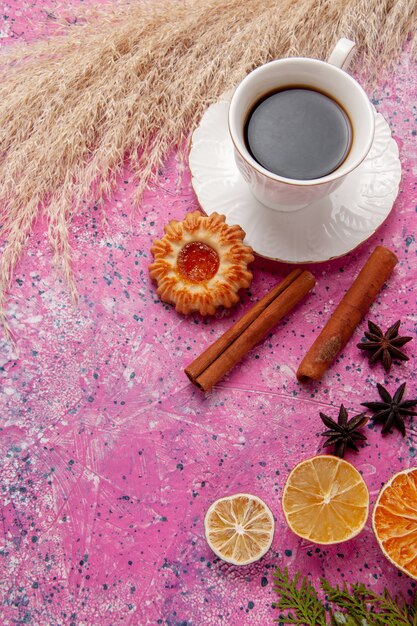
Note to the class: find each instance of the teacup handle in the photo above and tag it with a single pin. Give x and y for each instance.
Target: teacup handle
(342, 53)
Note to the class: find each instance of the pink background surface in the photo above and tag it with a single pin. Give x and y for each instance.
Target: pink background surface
(110, 457)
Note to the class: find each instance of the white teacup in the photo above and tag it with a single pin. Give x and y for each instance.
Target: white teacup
(286, 194)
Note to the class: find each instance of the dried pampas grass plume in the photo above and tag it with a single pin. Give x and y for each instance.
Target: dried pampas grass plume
(133, 82)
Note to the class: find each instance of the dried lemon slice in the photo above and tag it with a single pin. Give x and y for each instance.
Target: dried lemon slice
(394, 521)
(239, 528)
(325, 500)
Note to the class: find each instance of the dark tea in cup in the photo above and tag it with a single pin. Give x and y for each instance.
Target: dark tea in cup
(299, 127)
(298, 132)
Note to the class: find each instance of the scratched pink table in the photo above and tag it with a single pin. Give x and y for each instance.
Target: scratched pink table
(110, 458)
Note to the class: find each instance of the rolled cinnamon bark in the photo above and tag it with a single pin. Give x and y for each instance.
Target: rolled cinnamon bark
(347, 315)
(207, 369)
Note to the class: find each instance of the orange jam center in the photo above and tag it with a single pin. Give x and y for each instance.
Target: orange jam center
(198, 262)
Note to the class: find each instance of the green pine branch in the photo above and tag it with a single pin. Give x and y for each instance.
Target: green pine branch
(364, 604)
(300, 600)
(346, 606)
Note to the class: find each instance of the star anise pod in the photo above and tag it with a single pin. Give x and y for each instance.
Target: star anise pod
(392, 410)
(344, 432)
(384, 347)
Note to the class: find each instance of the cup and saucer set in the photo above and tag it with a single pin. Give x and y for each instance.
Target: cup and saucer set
(290, 219)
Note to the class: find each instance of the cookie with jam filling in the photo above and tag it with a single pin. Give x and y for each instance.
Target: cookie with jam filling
(201, 263)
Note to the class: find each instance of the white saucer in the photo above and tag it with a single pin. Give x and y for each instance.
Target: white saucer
(325, 229)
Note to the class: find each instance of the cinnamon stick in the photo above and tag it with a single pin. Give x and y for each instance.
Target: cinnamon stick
(347, 315)
(207, 369)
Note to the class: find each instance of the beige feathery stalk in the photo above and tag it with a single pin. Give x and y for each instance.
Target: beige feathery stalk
(132, 83)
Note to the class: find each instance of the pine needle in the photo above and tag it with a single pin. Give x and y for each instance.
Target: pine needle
(132, 83)
(363, 604)
(299, 598)
(353, 605)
